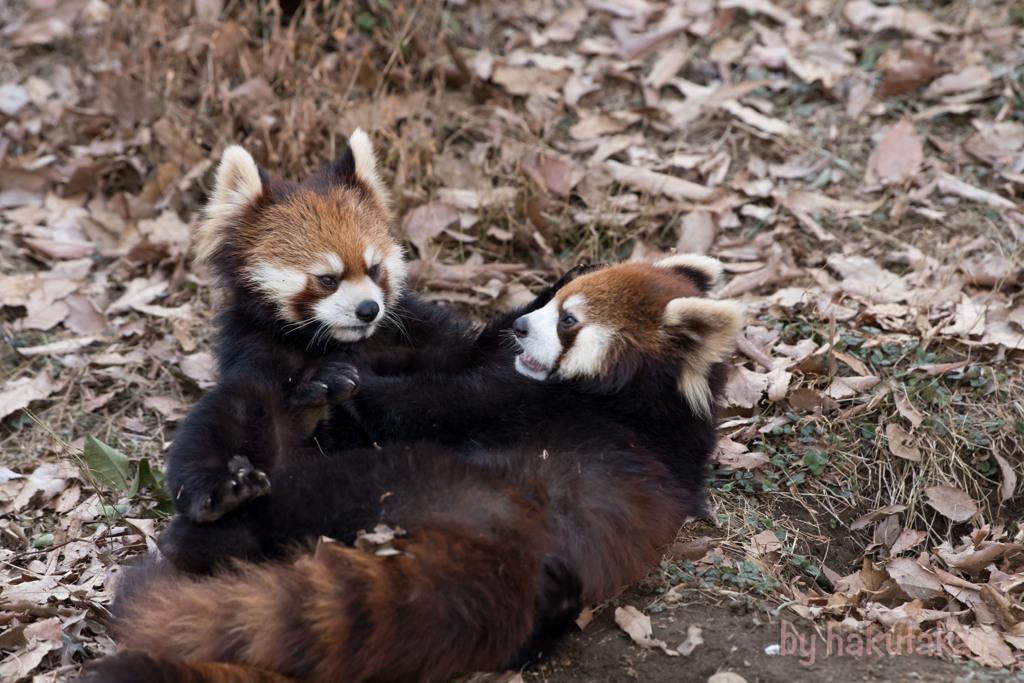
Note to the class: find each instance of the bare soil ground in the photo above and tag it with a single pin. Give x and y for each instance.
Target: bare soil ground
(859, 169)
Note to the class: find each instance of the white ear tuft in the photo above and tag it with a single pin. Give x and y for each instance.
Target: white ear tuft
(236, 183)
(366, 165)
(710, 267)
(712, 327)
(238, 177)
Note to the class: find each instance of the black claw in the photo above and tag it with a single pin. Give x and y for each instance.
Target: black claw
(243, 484)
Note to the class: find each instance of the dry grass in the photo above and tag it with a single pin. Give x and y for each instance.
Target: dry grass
(136, 105)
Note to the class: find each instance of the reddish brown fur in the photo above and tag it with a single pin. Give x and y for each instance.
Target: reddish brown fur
(453, 599)
(620, 530)
(294, 234)
(630, 298)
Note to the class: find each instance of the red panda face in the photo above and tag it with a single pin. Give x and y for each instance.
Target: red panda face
(327, 261)
(606, 324)
(562, 339)
(320, 255)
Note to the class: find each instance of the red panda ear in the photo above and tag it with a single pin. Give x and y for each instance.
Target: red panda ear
(364, 165)
(708, 331)
(236, 184)
(703, 271)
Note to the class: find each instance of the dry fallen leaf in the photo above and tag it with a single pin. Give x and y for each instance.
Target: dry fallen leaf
(862, 276)
(901, 442)
(897, 157)
(1008, 484)
(40, 32)
(736, 456)
(472, 200)
(745, 387)
(969, 318)
(915, 68)
(973, 559)
(19, 393)
(989, 648)
(762, 544)
(658, 183)
(915, 580)
(529, 80)
(970, 78)
(696, 233)
(953, 503)
(200, 367)
(908, 411)
(425, 223)
(947, 184)
(140, 291)
(638, 626)
(169, 407)
(848, 387)
(37, 640)
(551, 173)
(867, 16)
(997, 144)
(83, 315)
(908, 538)
(805, 401)
(694, 638)
(58, 348)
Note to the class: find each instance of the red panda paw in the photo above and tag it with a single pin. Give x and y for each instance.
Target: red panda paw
(342, 381)
(244, 484)
(332, 383)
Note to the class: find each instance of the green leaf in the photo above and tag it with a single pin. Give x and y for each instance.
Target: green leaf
(143, 478)
(815, 462)
(114, 511)
(149, 477)
(109, 466)
(366, 22)
(42, 541)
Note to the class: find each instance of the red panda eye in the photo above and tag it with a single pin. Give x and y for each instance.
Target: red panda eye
(328, 281)
(567, 321)
(373, 271)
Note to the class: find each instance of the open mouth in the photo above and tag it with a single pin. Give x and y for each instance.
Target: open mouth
(352, 332)
(531, 364)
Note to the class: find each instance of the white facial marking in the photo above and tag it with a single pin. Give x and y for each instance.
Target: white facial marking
(371, 256)
(335, 266)
(338, 311)
(585, 358)
(541, 345)
(573, 304)
(280, 284)
(394, 262)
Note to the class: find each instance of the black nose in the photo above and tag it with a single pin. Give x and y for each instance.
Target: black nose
(367, 311)
(520, 328)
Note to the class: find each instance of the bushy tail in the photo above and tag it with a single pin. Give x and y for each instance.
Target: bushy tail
(433, 604)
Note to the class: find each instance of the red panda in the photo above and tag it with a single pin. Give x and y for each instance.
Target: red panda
(308, 270)
(634, 347)
(320, 255)
(305, 269)
(524, 488)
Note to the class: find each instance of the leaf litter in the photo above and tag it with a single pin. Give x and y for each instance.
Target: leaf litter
(858, 173)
